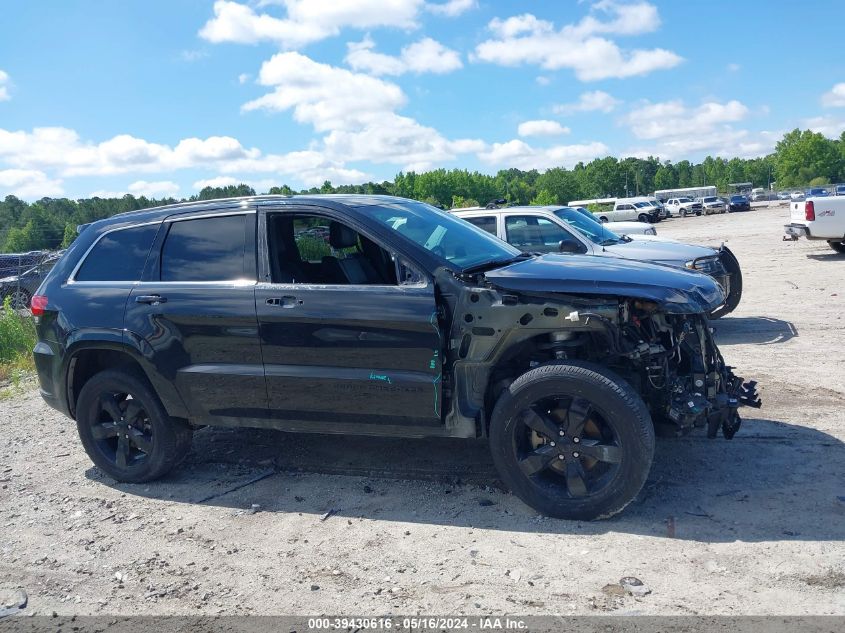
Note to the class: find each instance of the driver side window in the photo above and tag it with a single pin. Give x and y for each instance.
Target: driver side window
(537, 234)
(314, 249)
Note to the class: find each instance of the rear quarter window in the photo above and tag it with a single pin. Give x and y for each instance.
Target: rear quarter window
(119, 255)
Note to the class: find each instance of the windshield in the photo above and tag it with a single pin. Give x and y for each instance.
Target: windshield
(641, 205)
(684, 200)
(711, 199)
(737, 198)
(583, 221)
(442, 234)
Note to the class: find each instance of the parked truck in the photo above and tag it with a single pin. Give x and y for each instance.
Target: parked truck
(820, 218)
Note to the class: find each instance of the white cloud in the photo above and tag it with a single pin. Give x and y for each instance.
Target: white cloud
(680, 131)
(542, 127)
(734, 67)
(542, 80)
(219, 181)
(63, 150)
(835, 97)
(451, 8)
(243, 78)
(29, 183)
(425, 55)
(525, 39)
(830, 126)
(4, 86)
(597, 100)
(356, 111)
(324, 96)
(306, 20)
(669, 119)
(519, 154)
(193, 55)
(157, 189)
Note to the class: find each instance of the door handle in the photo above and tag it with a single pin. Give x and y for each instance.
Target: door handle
(151, 299)
(287, 301)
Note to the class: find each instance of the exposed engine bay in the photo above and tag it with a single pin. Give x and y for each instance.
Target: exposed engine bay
(671, 359)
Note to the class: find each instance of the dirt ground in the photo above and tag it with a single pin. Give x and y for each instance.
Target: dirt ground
(364, 526)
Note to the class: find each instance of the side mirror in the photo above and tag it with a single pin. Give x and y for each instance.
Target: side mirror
(569, 246)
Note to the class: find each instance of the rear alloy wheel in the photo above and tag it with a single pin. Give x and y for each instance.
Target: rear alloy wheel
(125, 429)
(572, 440)
(839, 247)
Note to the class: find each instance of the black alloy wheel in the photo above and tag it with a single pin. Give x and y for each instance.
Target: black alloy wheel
(565, 441)
(125, 429)
(573, 440)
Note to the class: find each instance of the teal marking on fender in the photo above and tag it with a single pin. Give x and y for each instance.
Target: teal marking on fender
(433, 322)
(381, 377)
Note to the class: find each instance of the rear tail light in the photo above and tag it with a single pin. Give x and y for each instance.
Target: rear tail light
(38, 304)
(809, 211)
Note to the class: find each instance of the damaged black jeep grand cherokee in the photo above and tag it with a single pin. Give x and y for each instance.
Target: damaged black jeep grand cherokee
(381, 316)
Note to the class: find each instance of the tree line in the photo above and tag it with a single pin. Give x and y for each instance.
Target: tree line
(800, 159)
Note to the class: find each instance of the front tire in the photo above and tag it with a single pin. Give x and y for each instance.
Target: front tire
(572, 440)
(125, 429)
(644, 218)
(839, 247)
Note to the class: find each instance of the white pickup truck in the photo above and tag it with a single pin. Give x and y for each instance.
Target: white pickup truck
(818, 219)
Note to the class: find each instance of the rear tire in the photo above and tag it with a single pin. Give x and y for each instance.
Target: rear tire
(125, 429)
(839, 247)
(603, 219)
(572, 440)
(644, 218)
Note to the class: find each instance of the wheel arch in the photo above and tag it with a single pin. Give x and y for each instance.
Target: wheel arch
(86, 357)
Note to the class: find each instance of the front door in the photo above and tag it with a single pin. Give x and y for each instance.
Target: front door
(343, 341)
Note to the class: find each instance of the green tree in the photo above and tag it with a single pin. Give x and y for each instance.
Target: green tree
(666, 177)
(459, 202)
(69, 236)
(802, 156)
(545, 198)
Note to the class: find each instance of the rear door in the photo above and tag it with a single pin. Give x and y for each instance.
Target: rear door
(195, 314)
(338, 352)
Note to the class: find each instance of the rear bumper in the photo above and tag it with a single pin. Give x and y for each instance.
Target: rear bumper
(47, 365)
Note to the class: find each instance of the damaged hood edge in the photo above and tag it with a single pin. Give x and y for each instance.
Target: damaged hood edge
(677, 290)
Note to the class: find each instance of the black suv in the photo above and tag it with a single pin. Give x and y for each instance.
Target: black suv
(380, 316)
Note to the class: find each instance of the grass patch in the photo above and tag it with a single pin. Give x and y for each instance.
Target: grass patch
(17, 338)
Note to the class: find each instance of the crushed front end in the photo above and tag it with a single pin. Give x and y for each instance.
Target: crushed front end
(680, 371)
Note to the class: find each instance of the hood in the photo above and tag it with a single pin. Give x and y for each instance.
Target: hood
(676, 253)
(678, 290)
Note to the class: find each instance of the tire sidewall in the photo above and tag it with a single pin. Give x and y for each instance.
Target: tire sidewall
(632, 425)
(163, 435)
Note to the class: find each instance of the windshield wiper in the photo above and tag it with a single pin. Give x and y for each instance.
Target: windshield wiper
(495, 263)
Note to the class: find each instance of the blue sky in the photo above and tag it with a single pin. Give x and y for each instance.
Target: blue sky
(162, 97)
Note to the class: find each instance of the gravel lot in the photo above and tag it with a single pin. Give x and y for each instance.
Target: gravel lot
(363, 526)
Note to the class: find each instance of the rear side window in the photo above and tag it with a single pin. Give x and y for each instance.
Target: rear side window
(488, 223)
(206, 249)
(119, 255)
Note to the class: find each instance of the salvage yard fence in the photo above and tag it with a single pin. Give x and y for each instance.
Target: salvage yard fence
(22, 273)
